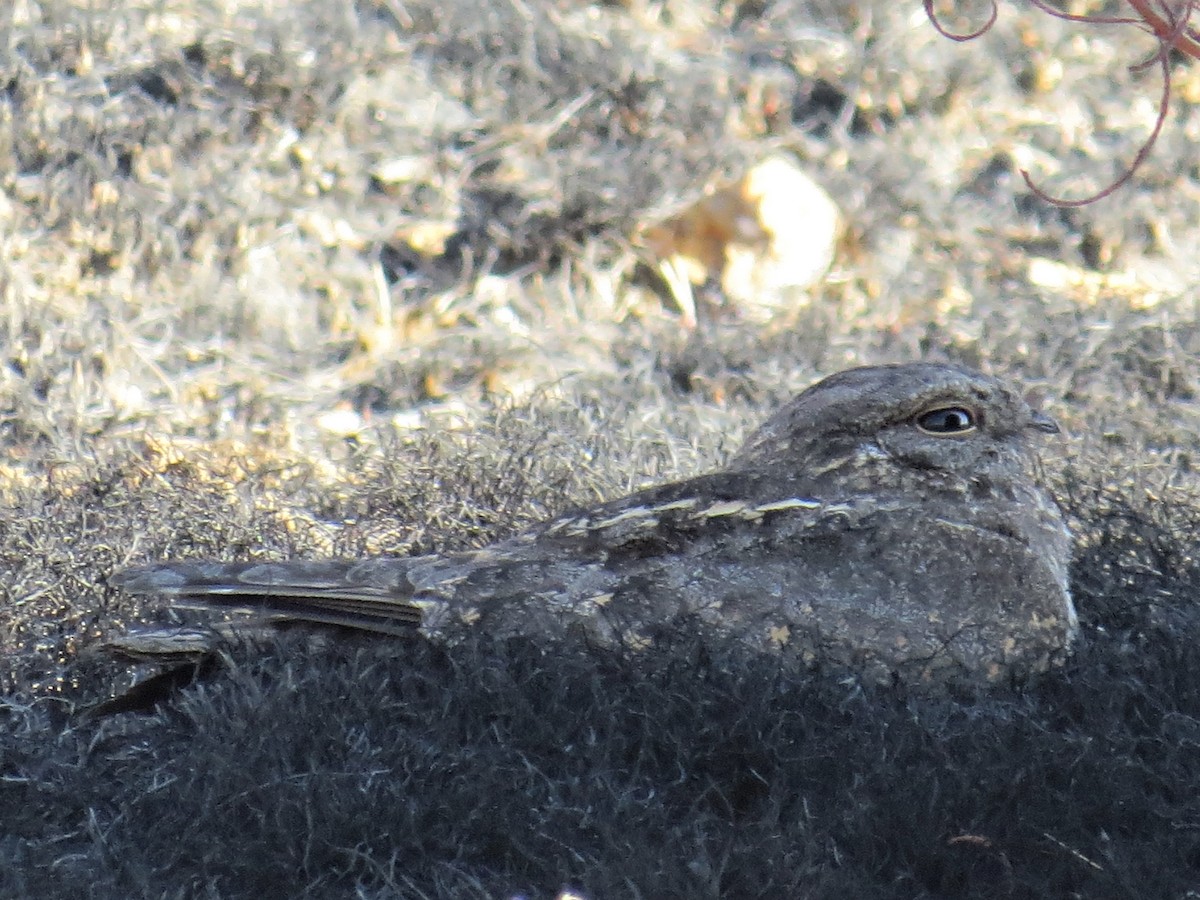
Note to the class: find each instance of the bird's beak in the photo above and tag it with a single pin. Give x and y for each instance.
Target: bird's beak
(1043, 422)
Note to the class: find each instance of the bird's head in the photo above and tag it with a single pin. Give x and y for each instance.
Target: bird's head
(925, 417)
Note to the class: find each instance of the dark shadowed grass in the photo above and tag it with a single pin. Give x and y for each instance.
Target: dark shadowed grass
(502, 768)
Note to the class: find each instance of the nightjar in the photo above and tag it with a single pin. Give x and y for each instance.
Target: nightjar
(888, 520)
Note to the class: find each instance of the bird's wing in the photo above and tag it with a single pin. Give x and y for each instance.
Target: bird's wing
(566, 570)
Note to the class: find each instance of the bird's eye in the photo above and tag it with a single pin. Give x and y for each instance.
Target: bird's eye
(946, 420)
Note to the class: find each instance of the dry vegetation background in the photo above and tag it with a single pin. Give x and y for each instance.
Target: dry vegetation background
(309, 276)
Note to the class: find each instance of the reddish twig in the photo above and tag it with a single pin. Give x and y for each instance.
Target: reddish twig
(969, 36)
(1168, 21)
(1176, 34)
(1164, 106)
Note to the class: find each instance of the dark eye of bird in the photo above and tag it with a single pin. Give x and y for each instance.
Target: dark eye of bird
(947, 420)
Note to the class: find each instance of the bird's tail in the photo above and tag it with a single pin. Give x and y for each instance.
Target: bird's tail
(372, 595)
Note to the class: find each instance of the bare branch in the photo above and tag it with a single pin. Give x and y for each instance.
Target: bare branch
(970, 36)
(1164, 106)
(1174, 32)
(1168, 21)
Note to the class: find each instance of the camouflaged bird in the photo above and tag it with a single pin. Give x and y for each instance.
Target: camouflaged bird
(888, 520)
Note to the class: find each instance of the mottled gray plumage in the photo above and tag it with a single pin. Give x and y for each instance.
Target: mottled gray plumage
(888, 519)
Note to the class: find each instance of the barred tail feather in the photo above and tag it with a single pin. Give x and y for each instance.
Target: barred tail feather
(373, 595)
